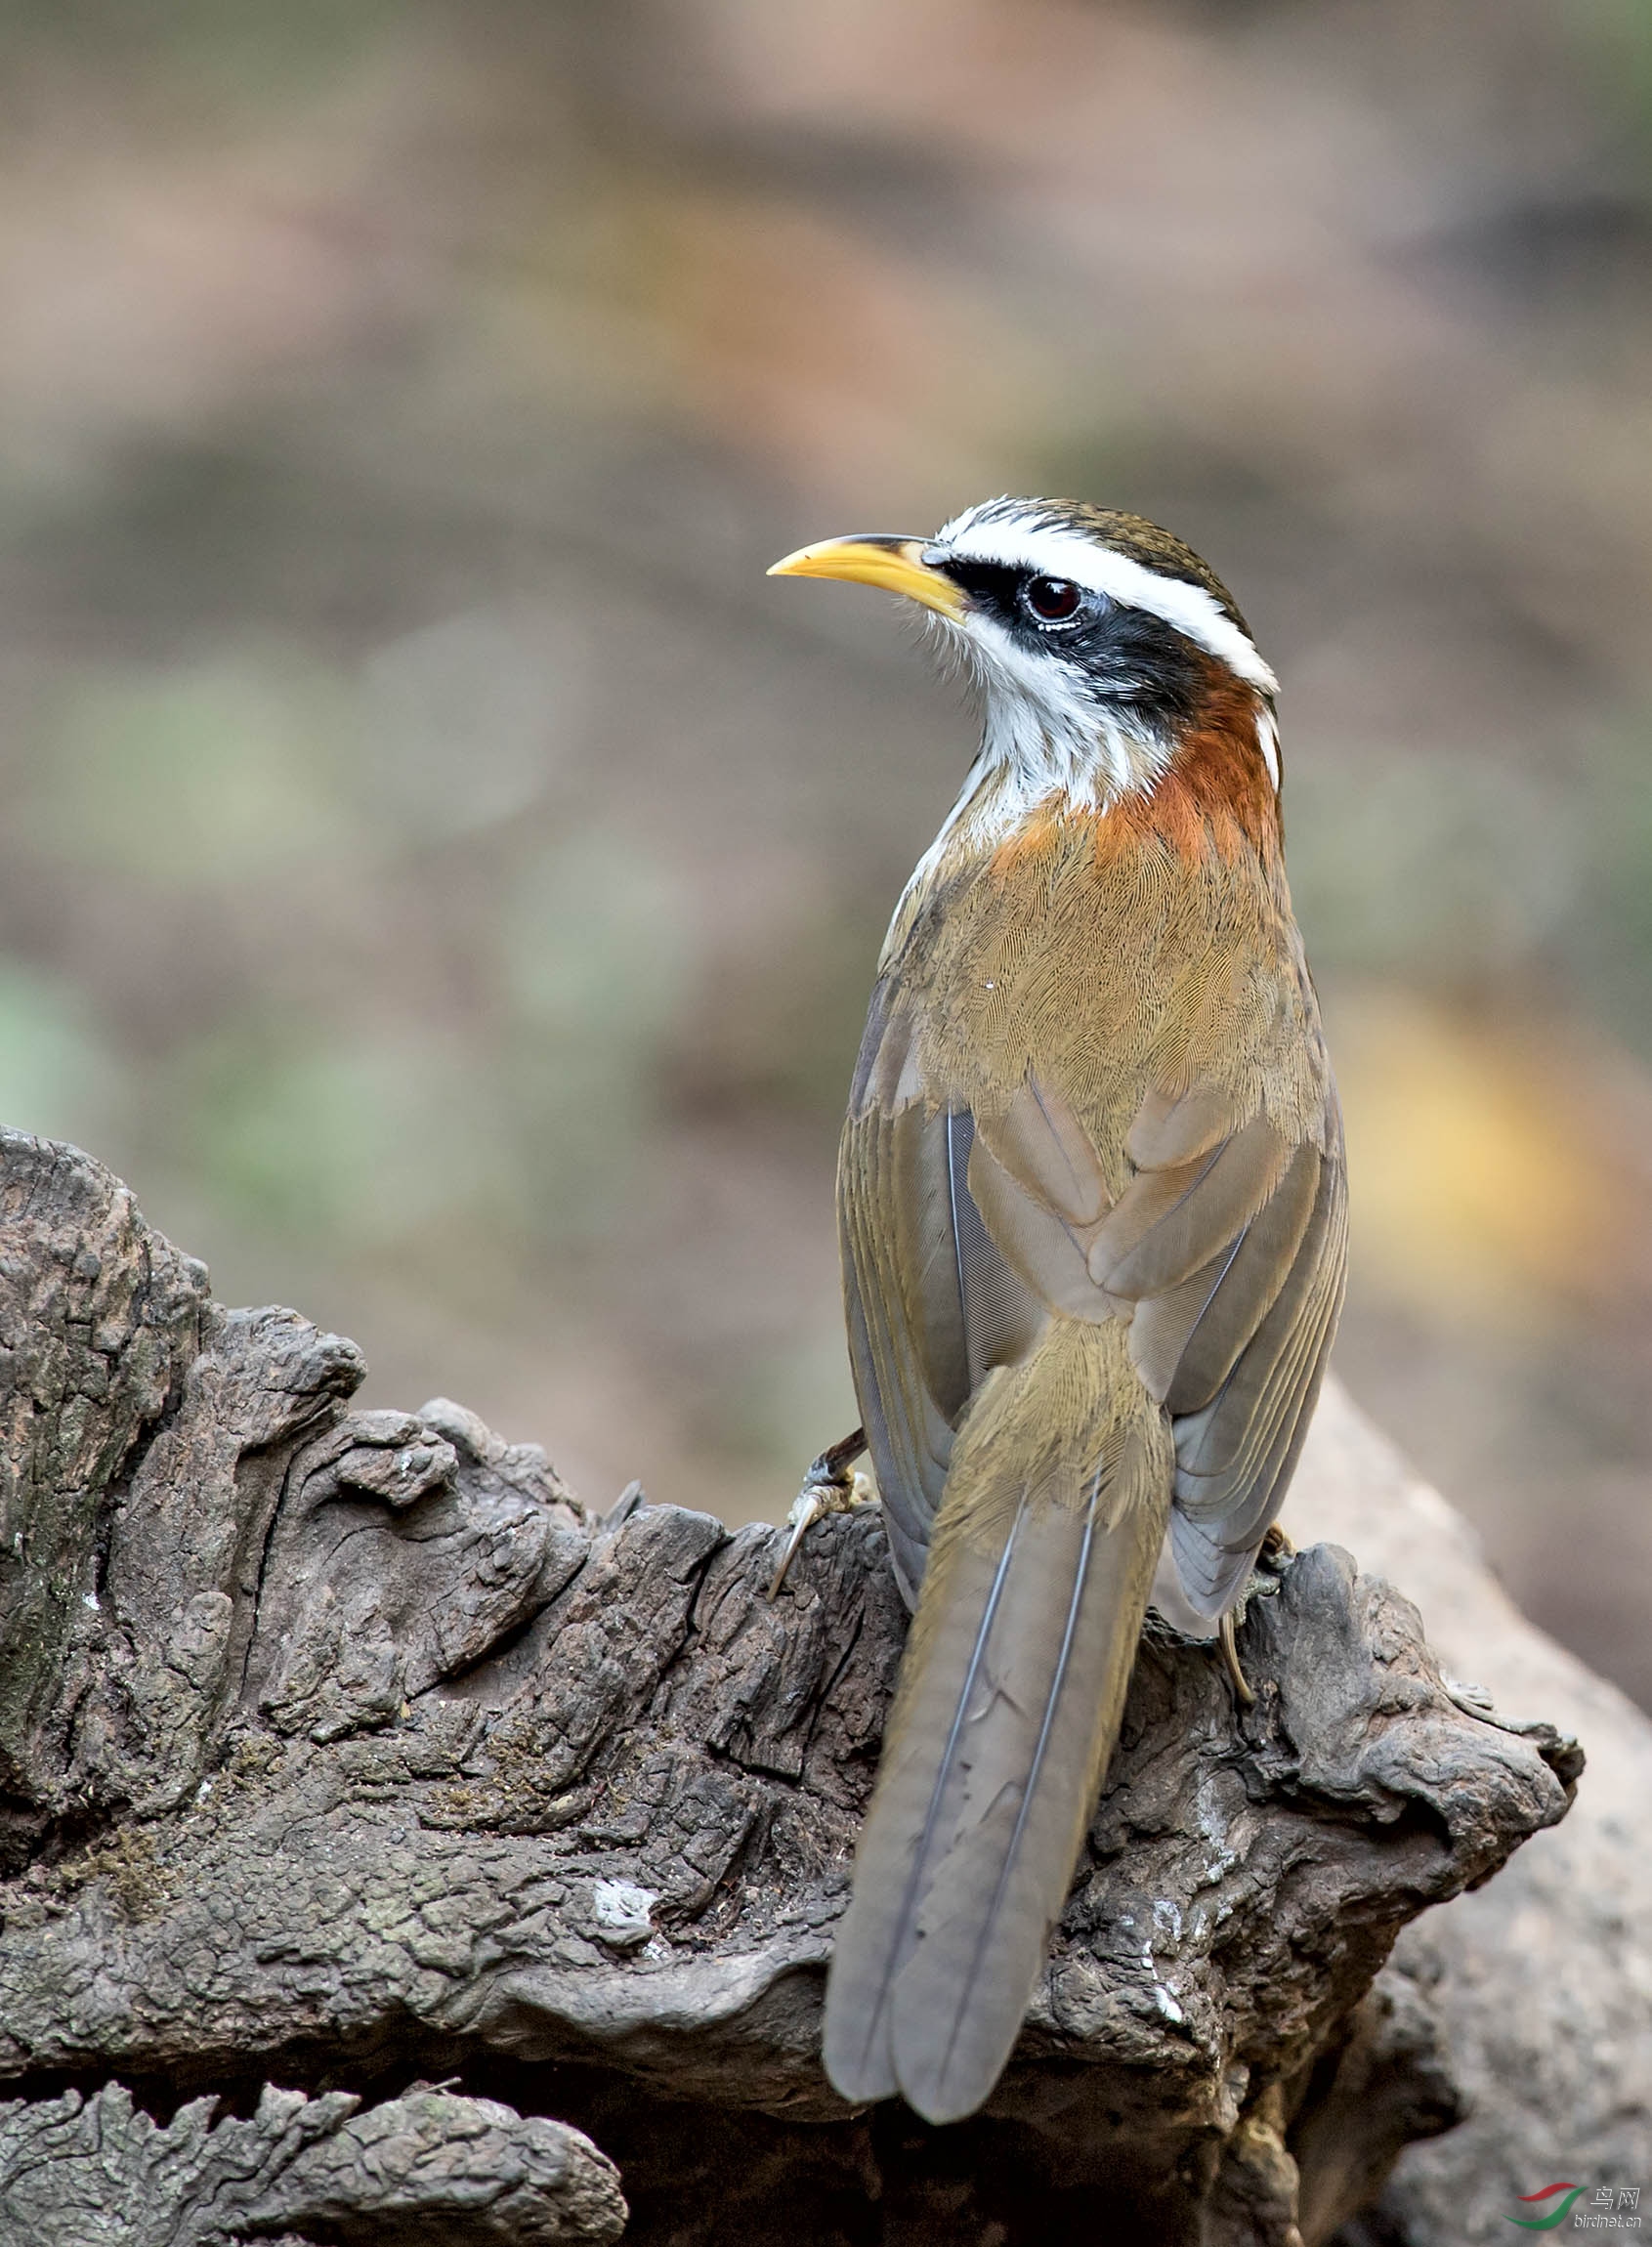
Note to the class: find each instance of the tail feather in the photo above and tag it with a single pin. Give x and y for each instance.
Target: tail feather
(1009, 1704)
(890, 1864)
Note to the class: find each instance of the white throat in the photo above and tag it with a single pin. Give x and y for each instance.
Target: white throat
(1035, 746)
(1044, 735)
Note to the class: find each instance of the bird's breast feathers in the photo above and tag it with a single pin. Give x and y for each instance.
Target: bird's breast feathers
(1107, 953)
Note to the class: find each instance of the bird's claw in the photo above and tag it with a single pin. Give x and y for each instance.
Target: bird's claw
(1230, 1656)
(833, 1484)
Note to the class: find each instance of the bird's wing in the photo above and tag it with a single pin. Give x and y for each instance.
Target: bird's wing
(1017, 1331)
(1249, 1372)
(1226, 1251)
(932, 1304)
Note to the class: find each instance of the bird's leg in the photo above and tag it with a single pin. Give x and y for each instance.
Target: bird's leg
(1230, 1656)
(1275, 1548)
(831, 1486)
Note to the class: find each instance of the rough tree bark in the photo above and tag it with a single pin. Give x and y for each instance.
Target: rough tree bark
(383, 1834)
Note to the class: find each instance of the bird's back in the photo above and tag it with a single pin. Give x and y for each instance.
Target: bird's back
(1014, 1237)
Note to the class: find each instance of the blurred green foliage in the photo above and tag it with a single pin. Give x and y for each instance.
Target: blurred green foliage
(354, 1143)
(203, 779)
(1444, 871)
(217, 50)
(57, 1079)
(597, 961)
(1611, 907)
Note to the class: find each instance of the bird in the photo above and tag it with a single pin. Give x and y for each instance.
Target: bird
(1092, 1209)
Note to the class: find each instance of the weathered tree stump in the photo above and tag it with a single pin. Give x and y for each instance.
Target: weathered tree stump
(345, 1753)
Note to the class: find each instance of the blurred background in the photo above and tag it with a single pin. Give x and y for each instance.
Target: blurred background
(442, 875)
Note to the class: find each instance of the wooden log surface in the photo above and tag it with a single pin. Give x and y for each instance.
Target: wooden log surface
(347, 1754)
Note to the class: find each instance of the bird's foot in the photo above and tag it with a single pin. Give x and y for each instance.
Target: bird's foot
(1230, 1657)
(1275, 1550)
(833, 1485)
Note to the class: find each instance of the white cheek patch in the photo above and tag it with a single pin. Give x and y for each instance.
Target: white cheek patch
(1026, 543)
(1028, 674)
(1046, 733)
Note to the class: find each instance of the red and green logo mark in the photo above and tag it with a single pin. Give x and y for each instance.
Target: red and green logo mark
(1555, 2215)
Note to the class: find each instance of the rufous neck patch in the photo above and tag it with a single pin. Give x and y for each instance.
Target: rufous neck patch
(1216, 794)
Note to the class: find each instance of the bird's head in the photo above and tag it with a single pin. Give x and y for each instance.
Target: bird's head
(1100, 642)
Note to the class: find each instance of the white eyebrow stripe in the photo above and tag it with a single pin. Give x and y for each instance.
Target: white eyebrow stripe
(1054, 553)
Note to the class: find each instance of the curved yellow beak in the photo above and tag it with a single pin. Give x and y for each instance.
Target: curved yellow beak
(897, 565)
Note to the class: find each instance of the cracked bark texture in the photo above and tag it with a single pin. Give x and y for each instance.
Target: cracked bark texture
(340, 1751)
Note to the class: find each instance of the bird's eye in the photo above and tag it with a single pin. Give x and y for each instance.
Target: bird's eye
(1053, 600)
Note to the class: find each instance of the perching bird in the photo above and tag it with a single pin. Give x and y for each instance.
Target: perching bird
(1093, 1220)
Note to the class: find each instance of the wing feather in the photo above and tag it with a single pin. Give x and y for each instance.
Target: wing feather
(1034, 1241)
(1235, 1457)
(1170, 1221)
(909, 1435)
(1186, 1340)
(1042, 1144)
(933, 1305)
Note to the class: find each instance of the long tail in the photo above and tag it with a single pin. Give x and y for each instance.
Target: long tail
(1010, 1697)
